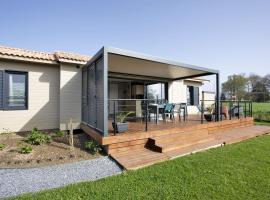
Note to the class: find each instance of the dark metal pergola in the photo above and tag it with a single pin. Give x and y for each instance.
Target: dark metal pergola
(123, 63)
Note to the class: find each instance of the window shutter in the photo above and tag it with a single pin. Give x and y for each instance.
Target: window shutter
(191, 95)
(1, 88)
(196, 96)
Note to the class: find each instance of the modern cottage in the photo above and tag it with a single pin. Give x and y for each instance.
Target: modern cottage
(141, 109)
(44, 90)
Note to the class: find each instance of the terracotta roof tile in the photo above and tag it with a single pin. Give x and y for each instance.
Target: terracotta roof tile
(71, 56)
(26, 53)
(57, 56)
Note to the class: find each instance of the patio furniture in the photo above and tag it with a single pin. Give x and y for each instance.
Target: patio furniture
(224, 112)
(237, 111)
(143, 111)
(155, 109)
(210, 113)
(168, 111)
(177, 110)
(183, 106)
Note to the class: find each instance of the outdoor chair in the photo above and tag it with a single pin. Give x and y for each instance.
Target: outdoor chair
(183, 106)
(237, 111)
(210, 112)
(143, 112)
(168, 111)
(177, 110)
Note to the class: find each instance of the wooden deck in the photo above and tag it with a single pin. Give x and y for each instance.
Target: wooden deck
(139, 126)
(162, 142)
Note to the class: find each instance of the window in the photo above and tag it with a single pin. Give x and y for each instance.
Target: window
(156, 92)
(14, 90)
(192, 95)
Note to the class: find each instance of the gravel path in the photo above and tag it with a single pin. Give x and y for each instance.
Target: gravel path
(18, 181)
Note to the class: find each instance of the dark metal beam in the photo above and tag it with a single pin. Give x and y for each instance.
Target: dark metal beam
(193, 76)
(217, 98)
(136, 77)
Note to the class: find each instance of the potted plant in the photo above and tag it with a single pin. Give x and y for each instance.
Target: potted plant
(121, 125)
(209, 116)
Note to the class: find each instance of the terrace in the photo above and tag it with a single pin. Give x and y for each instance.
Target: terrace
(137, 129)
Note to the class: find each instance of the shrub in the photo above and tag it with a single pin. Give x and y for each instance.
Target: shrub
(36, 137)
(59, 134)
(262, 116)
(26, 149)
(2, 146)
(92, 146)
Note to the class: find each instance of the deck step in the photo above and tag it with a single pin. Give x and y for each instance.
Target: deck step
(182, 136)
(239, 134)
(139, 158)
(182, 144)
(193, 148)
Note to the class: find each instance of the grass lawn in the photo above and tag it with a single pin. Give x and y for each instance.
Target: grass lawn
(263, 123)
(261, 113)
(264, 107)
(238, 171)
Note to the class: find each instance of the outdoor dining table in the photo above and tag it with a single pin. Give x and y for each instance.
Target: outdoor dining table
(156, 108)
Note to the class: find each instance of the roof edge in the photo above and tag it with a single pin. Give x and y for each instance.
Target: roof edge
(148, 57)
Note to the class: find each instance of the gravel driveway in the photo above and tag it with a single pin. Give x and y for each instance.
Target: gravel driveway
(18, 181)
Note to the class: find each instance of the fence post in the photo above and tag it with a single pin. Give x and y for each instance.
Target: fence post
(245, 109)
(238, 105)
(251, 108)
(146, 117)
(71, 143)
(202, 107)
(114, 118)
(230, 110)
(220, 111)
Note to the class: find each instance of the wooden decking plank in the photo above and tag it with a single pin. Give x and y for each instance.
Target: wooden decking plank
(137, 158)
(192, 149)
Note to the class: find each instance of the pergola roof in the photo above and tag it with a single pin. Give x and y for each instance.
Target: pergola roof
(133, 63)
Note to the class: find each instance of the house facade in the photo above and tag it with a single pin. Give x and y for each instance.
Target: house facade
(39, 89)
(45, 90)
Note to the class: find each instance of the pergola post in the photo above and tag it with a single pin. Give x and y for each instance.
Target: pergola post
(217, 98)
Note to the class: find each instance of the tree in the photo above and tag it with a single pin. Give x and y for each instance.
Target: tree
(235, 86)
(266, 80)
(253, 79)
(259, 92)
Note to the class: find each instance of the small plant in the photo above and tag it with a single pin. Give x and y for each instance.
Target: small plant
(122, 116)
(5, 131)
(58, 134)
(92, 146)
(26, 149)
(36, 137)
(2, 146)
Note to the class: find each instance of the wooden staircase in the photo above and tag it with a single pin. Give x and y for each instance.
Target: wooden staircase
(154, 148)
(177, 141)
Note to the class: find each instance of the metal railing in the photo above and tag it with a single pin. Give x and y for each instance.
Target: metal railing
(232, 108)
(129, 110)
(143, 110)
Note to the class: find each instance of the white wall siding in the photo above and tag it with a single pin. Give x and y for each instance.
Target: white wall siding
(210, 97)
(43, 101)
(177, 92)
(70, 95)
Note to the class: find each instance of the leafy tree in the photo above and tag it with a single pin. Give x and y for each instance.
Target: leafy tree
(266, 80)
(259, 92)
(235, 86)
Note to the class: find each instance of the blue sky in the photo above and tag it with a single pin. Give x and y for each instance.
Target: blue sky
(232, 36)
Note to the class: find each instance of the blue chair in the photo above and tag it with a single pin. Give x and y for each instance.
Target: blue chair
(168, 111)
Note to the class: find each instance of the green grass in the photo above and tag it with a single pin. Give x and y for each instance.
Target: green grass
(261, 113)
(238, 171)
(264, 107)
(262, 123)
